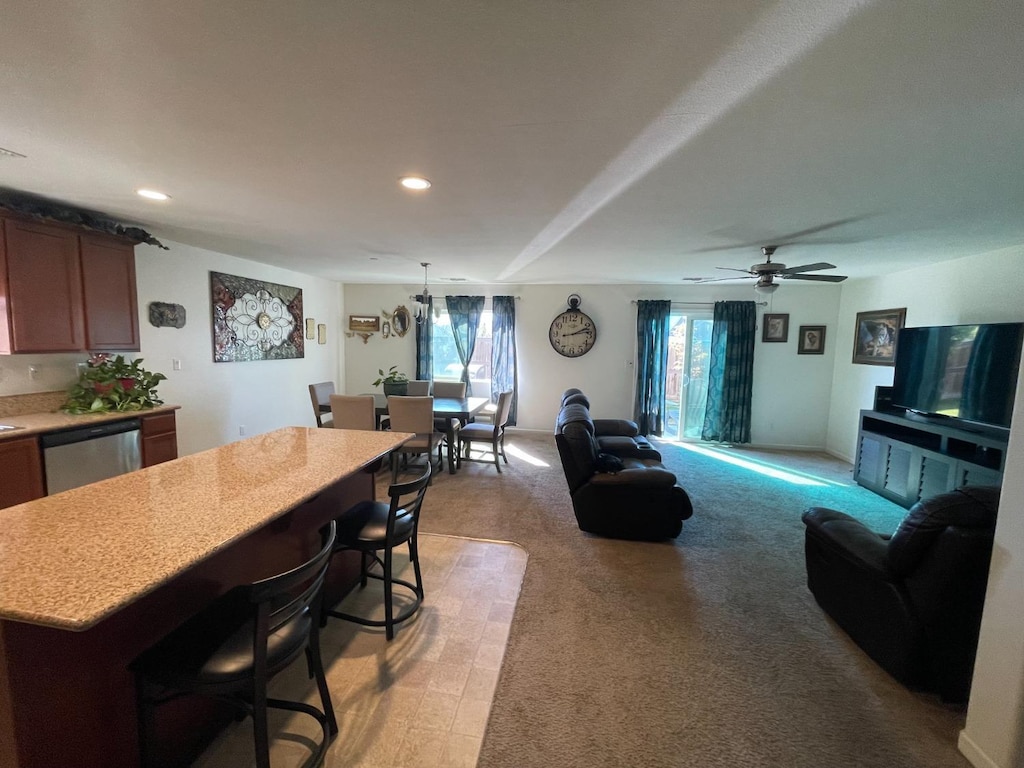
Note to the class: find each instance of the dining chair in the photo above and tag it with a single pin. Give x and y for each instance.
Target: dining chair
(418, 388)
(491, 433)
(230, 650)
(353, 412)
(320, 394)
(452, 389)
(374, 527)
(413, 414)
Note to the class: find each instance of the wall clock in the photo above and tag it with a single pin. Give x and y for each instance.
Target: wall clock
(572, 332)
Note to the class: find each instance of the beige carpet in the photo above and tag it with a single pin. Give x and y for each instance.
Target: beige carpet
(706, 651)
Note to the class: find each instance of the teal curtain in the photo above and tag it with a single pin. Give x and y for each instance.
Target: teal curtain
(652, 318)
(503, 352)
(731, 372)
(465, 312)
(425, 342)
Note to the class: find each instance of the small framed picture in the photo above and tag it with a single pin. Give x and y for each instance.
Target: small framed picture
(874, 337)
(364, 323)
(775, 328)
(812, 340)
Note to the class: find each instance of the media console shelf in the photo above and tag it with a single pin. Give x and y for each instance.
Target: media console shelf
(906, 459)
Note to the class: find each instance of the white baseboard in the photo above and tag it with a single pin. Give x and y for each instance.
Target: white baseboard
(974, 753)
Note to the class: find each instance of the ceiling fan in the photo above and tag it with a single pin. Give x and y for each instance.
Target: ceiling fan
(767, 272)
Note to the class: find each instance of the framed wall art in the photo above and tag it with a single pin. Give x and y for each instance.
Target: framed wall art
(875, 336)
(255, 320)
(775, 328)
(364, 323)
(811, 340)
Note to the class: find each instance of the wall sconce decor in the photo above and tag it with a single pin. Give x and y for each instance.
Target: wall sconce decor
(321, 334)
(310, 323)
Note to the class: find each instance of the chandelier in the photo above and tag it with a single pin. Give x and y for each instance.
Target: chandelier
(423, 300)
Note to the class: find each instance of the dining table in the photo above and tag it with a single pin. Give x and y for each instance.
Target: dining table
(448, 408)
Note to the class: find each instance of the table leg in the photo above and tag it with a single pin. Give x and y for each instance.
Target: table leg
(450, 437)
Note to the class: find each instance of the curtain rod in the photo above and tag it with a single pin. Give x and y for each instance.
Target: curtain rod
(702, 303)
(415, 297)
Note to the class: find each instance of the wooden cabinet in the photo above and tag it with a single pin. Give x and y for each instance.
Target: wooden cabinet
(21, 471)
(108, 288)
(65, 291)
(906, 460)
(159, 439)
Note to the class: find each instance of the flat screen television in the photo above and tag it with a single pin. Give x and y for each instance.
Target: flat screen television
(964, 372)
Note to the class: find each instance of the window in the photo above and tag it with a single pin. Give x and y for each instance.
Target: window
(446, 357)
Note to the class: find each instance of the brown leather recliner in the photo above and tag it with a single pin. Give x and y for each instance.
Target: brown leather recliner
(628, 495)
(912, 602)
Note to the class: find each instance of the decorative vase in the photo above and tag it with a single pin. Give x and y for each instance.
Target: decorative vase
(396, 388)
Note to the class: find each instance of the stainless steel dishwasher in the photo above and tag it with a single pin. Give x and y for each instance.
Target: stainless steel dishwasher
(76, 457)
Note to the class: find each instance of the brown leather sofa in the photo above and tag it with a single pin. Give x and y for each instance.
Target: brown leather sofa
(618, 485)
(912, 602)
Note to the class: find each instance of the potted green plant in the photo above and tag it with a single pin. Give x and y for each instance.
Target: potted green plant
(395, 382)
(113, 384)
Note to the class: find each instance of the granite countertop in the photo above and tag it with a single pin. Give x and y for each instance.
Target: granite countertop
(38, 423)
(72, 559)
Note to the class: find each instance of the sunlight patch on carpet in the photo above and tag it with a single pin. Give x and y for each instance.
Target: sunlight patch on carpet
(519, 453)
(760, 467)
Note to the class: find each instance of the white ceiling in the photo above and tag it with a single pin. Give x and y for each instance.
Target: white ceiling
(569, 141)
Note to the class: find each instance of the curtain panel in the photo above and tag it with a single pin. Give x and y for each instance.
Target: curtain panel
(731, 372)
(425, 341)
(465, 312)
(503, 352)
(652, 318)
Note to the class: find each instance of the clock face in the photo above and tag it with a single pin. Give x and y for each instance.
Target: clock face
(572, 333)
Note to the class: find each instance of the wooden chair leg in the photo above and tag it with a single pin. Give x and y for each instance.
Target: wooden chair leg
(494, 448)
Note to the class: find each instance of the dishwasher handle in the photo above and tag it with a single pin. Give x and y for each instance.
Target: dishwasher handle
(81, 434)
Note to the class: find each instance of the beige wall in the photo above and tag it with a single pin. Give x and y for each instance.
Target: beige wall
(791, 392)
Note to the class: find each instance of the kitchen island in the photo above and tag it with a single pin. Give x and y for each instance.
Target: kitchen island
(91, 577)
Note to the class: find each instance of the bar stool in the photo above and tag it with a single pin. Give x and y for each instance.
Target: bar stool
(373, 526)
(231, 650)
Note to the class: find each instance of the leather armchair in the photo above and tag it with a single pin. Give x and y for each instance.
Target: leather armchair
(638, 500)
(912, 602)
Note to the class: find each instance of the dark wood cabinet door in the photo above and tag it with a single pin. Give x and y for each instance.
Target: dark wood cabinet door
(108, 287)
(21, 471)
(159, 439)
(42, 289)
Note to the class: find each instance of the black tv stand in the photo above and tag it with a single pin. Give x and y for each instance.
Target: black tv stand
(908, 456)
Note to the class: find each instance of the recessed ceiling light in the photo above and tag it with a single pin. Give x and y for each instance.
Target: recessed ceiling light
(152, 194)
(414, 182)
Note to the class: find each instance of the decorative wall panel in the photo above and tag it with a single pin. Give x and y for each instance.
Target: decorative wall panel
(255, 320)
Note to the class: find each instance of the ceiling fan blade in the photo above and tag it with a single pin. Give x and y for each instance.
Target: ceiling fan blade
(791, 238)
(734, 269)
(807, 268)
(818, 278)
(699, 280)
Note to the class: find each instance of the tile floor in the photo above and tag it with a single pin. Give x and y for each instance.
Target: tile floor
(420, 700)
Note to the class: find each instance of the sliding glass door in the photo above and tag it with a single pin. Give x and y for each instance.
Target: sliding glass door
(686, 386)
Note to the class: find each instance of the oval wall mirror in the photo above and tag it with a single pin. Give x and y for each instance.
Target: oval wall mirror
(401, 321)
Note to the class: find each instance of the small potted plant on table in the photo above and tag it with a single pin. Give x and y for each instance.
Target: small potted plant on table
(395, 382)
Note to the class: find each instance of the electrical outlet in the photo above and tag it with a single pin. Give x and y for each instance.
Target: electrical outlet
(175, 364)
(241, 430)
(33, 372)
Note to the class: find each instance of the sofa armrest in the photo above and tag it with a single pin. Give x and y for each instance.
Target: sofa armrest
(624, 447)
(621, 427)
(849, 538)
(650, 476)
